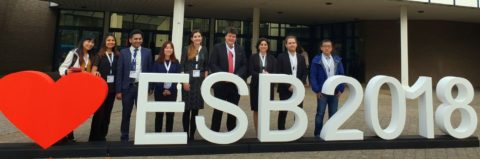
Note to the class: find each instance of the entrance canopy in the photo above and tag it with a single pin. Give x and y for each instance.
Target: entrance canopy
(299, 11)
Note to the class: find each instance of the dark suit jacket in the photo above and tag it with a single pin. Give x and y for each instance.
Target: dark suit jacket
(104, 68)
(203, 56)
(219, 60)
(160, 68)
(122, 79)
(254, 67)
(284, 67)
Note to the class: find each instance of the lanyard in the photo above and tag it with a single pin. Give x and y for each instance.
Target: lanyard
(264, 63)
(293, 62)
(86, 62)
(110, 60)
(134, 59)
(167, 67)
(196, 57)
(328, 64)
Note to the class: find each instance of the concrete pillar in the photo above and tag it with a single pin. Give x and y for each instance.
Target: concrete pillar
(255, 27)
(404, 45)
(212, 33)
(177, 26)
(106, 22)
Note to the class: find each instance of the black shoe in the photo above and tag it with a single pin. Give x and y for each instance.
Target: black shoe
(124, 141)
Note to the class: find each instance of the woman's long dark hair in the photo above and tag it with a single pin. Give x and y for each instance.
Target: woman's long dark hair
(80, 48)
(161, 59)
(260, 41)
(104, 48)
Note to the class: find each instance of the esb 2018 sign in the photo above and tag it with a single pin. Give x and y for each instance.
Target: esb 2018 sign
(421, 90)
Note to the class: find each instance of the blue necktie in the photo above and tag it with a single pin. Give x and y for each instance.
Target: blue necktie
(134, 61)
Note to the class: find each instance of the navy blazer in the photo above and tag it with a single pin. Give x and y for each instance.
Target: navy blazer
(160, 68)
(122, 79)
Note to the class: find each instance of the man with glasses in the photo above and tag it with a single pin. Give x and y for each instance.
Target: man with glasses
(324, 66)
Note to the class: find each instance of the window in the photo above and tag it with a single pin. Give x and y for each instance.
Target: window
(196, 23)
(147, 22)
(121, 21)
(81, 18)
(301, 31)
(221, 25)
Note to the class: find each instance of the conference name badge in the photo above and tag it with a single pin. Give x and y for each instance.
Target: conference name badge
(134, 74)
(110, 79)
(196, 73)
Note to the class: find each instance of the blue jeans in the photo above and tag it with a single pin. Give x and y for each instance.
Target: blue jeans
(322, 102)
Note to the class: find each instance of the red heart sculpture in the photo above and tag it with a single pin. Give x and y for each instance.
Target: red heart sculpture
(47, 111)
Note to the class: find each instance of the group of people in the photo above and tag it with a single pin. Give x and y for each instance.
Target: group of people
(121, 69)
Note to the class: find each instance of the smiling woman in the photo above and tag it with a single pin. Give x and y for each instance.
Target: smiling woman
(79, 59)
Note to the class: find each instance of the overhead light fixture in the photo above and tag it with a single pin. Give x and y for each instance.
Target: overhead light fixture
(52, 4)
(328, 3)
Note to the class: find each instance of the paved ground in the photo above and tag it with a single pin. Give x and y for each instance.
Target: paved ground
(9, 133)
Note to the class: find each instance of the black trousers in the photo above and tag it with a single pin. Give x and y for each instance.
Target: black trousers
(189, 125)
(129, 99)
(101, 119)
(229, 93)
(282, 115)
(169, 115)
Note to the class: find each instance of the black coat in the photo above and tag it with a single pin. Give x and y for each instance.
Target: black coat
(284, 67)
(254, 69)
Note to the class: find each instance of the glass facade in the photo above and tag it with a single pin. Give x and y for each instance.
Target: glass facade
(157, 29)
(72, 26)
(201, 24)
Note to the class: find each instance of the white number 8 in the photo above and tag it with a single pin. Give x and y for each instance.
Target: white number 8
(468, 123)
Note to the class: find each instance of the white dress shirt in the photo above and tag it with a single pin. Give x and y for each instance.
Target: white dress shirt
(293, 62)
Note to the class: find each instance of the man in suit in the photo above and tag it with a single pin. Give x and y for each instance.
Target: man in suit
(227, 57)
(324, 66)
(290, 63)
(133, 60)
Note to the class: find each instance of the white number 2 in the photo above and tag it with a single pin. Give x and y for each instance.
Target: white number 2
(330, 130)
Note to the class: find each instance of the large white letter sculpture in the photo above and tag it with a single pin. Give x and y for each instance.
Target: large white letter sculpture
(265, 106)
(468, 123)
(399, 108)
(143, 106)
(422, 90)
(330, 129)
(221, 105)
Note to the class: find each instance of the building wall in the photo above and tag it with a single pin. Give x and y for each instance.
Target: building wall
(436, 49)
(28, 35)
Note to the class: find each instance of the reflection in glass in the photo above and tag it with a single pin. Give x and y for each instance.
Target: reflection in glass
(221, 25)
(81, 18)
(147, 22)
(196, 23)
(120, 21)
